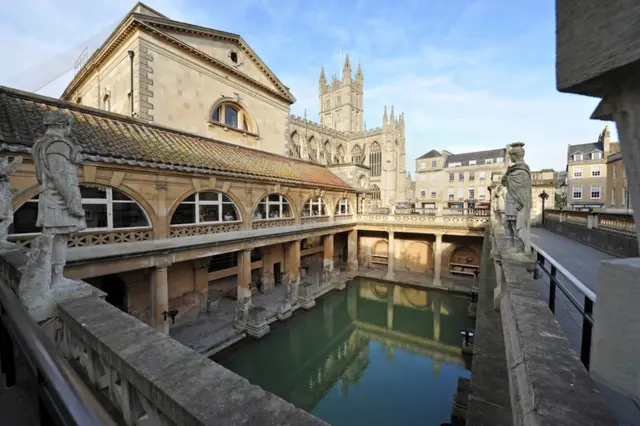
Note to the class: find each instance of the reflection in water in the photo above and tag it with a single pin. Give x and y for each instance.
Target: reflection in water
(373, 354)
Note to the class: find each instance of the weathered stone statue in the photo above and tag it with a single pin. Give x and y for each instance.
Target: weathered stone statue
(60, 213)
(497, 205)
(517, 217)
(6, 196)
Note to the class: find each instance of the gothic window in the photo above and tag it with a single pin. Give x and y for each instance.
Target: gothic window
(295, 141)
(232, 115)
(375, 192)
(342, 208)
(356, 154)
(375, 159)
(338, 100)
(327, 152)
(341, 155)
(273, 206)
(105, 209)
(327, 103)
(313, 149)
(314, 207)
(205, 207)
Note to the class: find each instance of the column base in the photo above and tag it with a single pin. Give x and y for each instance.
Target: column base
(472, 312)
(242, 312)
(257, 326)
(390, 276)
(305, 296)
(352, 266)
(285, 311)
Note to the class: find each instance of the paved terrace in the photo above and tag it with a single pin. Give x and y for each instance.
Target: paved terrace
(583, 262)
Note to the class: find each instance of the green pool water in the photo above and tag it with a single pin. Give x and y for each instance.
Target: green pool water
(374, 354)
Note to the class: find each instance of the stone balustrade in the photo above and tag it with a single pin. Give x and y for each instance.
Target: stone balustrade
(272, 223)
(203, 229)
(611, 232)
(457, 221)
(93, 238)
(315, 219)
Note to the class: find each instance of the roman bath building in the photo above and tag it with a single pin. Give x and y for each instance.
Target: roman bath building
(211, 83)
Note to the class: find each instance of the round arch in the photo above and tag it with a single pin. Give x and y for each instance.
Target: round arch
(419, 257)
(192, 191)
(315, 203)
(380, 252)
(342, 207)
(252, 123)
(465, 256)
(254, 207)
(417, 298)
(380, 290)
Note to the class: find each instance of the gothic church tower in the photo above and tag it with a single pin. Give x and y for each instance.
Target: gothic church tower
(341, 100)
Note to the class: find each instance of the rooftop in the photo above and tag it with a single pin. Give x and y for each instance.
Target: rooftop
(431, 154)
(115, 138)
(464, 158)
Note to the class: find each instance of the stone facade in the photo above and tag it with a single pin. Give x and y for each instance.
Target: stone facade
(617, 194)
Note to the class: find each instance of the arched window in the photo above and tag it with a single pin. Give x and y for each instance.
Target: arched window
(356, 154)
(340, 156)
(327, 152)
(205, 207)
(232, 115)
(273, 206)
(314, 207)
(375, 192)
(295, 141)
(104, 208)
(313, 149)
(342, 207)
(375, 159)
(380, 253)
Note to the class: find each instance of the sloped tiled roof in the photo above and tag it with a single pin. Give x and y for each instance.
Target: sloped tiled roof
(431, 154)
(464, 158)
(109, 137)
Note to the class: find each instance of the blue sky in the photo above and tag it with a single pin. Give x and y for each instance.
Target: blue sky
(468, 74)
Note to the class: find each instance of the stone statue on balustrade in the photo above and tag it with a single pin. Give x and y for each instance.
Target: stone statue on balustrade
(60, 214)
(497, 206)
(6, 197)
(517, 214)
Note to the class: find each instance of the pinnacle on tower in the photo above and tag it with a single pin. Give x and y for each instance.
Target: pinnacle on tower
(359, 72)
(385, 119)
(392, 118)
(346, 71)
(323, 77)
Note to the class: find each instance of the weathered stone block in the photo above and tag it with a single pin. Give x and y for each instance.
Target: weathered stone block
(257, 325)
(305, 296)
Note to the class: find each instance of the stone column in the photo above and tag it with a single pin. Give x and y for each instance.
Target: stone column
(201, 282)
(352, 251)
(244, 290)
(328, 253)
(292, 278)
(390, 293)
(160, 298)
(437, 267)
(391, 258)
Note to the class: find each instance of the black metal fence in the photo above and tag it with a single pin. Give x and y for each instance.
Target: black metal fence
(62, 399)
(550, 267)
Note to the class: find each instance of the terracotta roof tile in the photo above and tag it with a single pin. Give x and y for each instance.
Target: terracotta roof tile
(107, 135)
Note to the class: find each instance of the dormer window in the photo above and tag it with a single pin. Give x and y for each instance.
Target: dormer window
(577, 156)
(596, 155)
(232, 115)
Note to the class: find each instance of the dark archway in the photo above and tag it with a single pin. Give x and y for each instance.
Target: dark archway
(116, 291)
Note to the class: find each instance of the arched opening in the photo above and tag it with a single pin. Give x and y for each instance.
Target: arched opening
(342, 207)
(231, 114)
(328, 153)
(375, 159)
(295, 143)
(375, 192)
(313, 149)
(205, 207)
(116, 291)
(380, 253)
(464, 261)
(273, 206)
(105, 209)
(418, 257)
(356, 154)
(314, 206)
(340, 155)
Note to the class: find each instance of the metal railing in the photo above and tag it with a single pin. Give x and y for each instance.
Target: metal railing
(585, 309)
(62, 397)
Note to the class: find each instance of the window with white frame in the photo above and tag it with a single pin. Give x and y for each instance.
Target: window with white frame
(105, 209)
(488, 161)
(577, 172)
(342, 208)
(423, 165)
(577, 193)
(451, 177)
(433, 193)
(499, 160)
(423, 193)
(232, 115)
(314, 207)
(596, 155)
(595, 171)
(472, 162)
(577, 156)
(482, 175)
(472, 175)
(434, 164)
(481, 193)
(461, 177)
(451, 193)
(595, 192)
(455, 164)
(205, 207)
(273, 206)
(460, 193)
(472, 193)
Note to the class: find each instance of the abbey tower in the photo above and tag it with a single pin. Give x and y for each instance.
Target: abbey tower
(341, 100)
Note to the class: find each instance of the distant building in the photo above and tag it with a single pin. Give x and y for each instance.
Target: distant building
(587, 172)
(451, 180)
(618, 193)
(542, 181)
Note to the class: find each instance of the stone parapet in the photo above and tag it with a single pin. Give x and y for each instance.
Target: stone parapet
(548, 384)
